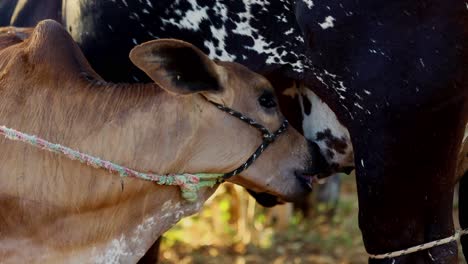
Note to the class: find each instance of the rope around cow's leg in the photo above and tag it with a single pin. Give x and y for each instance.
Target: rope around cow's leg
(421, 247)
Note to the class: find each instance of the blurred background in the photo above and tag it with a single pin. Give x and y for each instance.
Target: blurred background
(233, 228)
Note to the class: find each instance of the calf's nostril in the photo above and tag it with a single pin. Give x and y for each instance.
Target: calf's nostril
(304, 178)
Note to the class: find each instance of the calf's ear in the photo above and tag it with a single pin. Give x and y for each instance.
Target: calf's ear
(177, 66)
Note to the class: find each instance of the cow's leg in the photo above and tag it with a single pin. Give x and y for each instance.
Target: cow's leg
(405, 178)
(152, 255)
(6, 11)
(328, 194)
(29, 13)
(462, 172)
(463, 211)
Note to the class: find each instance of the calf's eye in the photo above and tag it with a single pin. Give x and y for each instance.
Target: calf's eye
(267, 100)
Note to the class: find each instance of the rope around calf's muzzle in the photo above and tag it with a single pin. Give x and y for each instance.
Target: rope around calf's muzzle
(267, 136)
(414, 249)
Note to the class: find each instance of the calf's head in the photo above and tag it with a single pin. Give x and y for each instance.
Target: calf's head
(222, 142)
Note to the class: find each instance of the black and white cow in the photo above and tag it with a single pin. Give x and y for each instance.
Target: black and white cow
(394, 72)
(387, 76)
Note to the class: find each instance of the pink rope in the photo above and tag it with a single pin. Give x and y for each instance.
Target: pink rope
(189, 183)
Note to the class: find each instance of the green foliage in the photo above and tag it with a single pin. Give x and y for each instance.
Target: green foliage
(225, 233)
(232, 228)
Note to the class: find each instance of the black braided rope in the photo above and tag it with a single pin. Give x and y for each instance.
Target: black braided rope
(268, 138)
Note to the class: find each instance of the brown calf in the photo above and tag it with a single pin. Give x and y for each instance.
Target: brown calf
(55, 210)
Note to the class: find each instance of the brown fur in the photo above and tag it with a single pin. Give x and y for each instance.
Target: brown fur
(54, 210)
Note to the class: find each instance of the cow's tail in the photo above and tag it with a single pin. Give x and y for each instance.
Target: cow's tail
(463, 211)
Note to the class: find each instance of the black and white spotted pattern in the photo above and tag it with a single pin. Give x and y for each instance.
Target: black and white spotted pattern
(260, 34)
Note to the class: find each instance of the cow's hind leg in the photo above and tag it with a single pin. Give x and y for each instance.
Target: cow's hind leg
(463, 211)
(152, 255)
(406, 175)
(6, 11)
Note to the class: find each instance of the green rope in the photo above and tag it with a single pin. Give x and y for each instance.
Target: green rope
(189, 184)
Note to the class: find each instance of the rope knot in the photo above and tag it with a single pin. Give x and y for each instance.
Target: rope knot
(268, 137)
